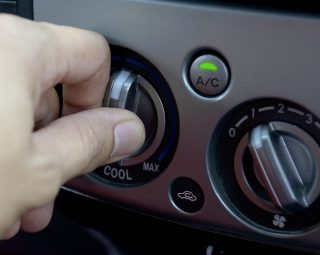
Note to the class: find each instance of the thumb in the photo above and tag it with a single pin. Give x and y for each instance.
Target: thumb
(78, 143)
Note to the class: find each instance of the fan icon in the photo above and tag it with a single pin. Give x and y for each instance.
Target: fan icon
(279, 221)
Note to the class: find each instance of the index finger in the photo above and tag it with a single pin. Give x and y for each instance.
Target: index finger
(81, 61)
(53, 54)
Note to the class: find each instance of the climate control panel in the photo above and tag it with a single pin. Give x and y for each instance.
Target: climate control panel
(230, 101)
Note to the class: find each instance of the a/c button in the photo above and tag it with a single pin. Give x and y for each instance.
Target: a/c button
(209, 75)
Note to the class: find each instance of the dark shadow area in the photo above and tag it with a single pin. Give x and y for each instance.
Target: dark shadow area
(81, 225)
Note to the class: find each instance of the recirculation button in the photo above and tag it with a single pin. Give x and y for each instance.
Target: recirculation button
(186, 195)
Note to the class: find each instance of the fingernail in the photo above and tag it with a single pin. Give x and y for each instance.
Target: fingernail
(128, 138)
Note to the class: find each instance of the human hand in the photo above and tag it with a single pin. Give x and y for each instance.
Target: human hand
(39, 151)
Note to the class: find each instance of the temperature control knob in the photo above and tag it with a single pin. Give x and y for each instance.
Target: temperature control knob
(130, 91)
(138, 86)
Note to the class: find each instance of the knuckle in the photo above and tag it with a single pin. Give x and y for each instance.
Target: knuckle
(44, 180)
(103, 51)
(10, 24)
(90, 139)
(14, 27)
(15, 30)
(104, 45)
(92, 143)
(107, 51)
(46, 191)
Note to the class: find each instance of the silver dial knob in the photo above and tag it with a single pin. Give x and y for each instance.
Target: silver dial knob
(130, 91)
(285, 161)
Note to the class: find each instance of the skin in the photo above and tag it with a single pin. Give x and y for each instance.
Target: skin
(40, 150)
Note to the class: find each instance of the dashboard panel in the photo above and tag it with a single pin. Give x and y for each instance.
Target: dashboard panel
(229, 99)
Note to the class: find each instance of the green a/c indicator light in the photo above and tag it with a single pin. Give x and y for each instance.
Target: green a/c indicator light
(208, 66)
